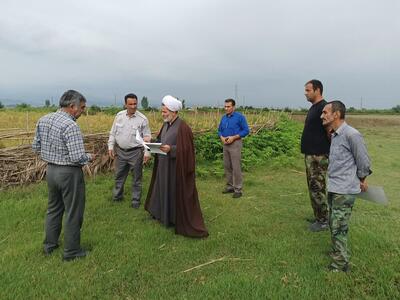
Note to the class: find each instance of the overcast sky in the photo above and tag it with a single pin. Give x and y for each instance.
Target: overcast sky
(199, 50)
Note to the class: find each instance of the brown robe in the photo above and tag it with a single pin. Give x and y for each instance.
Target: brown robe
(187, 212)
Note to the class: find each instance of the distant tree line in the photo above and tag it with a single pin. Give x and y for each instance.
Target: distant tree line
(144, 103)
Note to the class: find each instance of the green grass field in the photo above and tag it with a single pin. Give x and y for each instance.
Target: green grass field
(261, 242)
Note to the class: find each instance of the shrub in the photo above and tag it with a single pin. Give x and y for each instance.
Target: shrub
(23, 107)
(279, 144)
(94, 109)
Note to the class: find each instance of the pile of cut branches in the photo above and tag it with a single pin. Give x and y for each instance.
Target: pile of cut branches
(20, 165)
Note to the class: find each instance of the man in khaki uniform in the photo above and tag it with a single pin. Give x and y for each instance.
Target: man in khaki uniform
(128, 152)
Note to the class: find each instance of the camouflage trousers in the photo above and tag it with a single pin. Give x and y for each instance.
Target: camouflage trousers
(316, 167)
(340, 207)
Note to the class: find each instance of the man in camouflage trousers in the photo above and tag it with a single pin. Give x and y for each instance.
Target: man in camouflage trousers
(349, 165)
(315, 146)
(316, 168)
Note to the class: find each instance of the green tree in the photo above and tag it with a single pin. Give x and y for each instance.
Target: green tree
(23, 106)
(287, 109)
(145, 103)
(1, 105)
(94, 109)
(183, 104)
(47, 103)
(396, 109)
(351, 109)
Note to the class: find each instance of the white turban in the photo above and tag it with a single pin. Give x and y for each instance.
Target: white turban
(172, 103)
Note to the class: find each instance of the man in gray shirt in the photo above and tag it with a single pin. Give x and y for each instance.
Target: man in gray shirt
(349, 165)
(128, 152)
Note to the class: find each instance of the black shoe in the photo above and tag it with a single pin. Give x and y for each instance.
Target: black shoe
(49, 251)
(334, 269)
(331, 253)
(237, 195)
(135, 205)
(311, 220)
(228, 191)
(319, 226)
(81, 254)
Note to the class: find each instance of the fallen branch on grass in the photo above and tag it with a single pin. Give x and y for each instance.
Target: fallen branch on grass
(205, 264)
(4, 240)
(287, 195)
(298, 172)
(216, 260)
(217, 216)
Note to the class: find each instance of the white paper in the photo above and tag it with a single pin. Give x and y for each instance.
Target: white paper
(374, 194)
(154, 148)
(139, 140)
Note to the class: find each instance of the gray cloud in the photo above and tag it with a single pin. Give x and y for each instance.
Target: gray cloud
(199, 50)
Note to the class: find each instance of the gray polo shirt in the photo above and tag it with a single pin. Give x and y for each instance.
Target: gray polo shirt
(348, 161)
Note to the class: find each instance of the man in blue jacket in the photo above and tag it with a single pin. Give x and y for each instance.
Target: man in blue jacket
(232, 128)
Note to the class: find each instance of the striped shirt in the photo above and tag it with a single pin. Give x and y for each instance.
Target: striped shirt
(58, 140)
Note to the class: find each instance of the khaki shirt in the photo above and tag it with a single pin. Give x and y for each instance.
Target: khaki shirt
(123, 130)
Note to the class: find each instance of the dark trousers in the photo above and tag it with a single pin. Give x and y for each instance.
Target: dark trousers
(66, 187)
(124, 162)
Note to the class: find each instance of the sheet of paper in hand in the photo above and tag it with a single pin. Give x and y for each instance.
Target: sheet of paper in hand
(374, 194)
(154, 148)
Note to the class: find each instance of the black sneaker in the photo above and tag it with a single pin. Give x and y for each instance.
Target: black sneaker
(227, 191)
(81, 254)
(311, 220)
(135, 205)
(335, 269)
(319, 226)
(48, 251)
(237, 195)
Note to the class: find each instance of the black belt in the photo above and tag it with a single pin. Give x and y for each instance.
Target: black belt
(130, 149)
(73, 166)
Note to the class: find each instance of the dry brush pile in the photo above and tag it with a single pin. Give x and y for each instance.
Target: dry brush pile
(20, 165)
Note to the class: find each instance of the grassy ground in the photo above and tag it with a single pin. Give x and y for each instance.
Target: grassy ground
(261, 239)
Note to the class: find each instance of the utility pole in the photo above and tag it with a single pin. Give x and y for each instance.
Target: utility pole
(236, 92)
(361, 103)
(115, 100)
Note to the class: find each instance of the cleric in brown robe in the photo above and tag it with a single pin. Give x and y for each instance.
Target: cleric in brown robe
(172, 197)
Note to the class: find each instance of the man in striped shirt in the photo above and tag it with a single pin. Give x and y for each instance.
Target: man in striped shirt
(58, 140)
